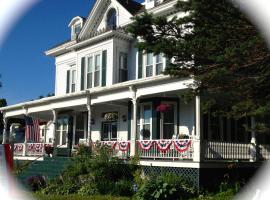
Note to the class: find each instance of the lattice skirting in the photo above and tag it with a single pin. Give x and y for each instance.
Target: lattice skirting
(191, 174)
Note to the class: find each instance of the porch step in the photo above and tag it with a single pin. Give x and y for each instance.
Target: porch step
(49, 168)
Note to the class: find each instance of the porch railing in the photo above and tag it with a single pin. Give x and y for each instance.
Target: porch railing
(175, 149)
(226, 150)
(30, 149)
(264, 151)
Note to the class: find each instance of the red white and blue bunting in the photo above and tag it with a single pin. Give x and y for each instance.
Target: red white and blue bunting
(145, 144)
(123, 146)
(182, 145)
(163, 145)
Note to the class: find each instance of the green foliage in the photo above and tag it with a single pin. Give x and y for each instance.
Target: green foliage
(166, 186)
(88, 189)
(98, 173)
(78, 197)
(231, 62)
(36, 182)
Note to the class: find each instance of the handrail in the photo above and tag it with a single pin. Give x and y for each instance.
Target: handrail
(36, 159)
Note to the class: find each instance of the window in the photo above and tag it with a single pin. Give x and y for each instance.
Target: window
(159, 64)
(61, 131)
(97, 70)
(144, 121)
(123, 71)
(77, 29)
(93, 70)
(149, 65)
(111, 19)
(89, 75)
(71, 79)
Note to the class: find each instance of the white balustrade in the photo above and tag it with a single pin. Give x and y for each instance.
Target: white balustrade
(226, 150)
(175, 149)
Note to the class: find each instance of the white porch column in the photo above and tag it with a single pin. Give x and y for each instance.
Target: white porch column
(133, 123)
(89, 116)
(5, 121)
(54, 112)
(197, 138)
(74, 116)
(253, 146)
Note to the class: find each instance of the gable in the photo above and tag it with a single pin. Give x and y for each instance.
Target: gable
(97, 19)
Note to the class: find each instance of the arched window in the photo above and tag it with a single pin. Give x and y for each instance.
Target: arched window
(111, 19)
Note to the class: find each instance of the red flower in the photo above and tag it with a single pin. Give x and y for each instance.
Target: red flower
(163, 107)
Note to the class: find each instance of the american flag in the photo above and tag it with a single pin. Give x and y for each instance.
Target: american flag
(32, 132)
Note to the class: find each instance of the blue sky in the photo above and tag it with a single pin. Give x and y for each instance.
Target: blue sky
(26, 73)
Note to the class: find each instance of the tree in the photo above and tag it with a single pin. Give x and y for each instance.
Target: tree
(3, 103)
(219, 47)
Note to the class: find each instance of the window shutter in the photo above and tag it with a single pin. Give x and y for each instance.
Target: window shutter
(140, 64)
(68, 81)
(82, 73)
(104, 66)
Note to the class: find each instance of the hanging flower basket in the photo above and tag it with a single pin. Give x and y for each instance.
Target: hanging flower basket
(163, 108)
(111, 116)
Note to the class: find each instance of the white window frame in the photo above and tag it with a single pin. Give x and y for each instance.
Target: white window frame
(162, 117)
(60, 131)
(140, 122)
(154, 65)
(93, 56)
(72, 79)
(122, 68)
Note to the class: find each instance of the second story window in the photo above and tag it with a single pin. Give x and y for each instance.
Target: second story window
(93, 70)
(97, 70)
(123, 68)
(71, 79)
(150, 64)
(111, 19)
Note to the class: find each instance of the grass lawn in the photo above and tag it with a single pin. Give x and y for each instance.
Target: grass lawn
(227, 195)
(78, 197)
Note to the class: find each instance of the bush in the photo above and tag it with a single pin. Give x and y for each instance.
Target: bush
(123, 188)
(88, 189)
(36, 182)
(166, 186)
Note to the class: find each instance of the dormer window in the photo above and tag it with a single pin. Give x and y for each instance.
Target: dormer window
(111, 19)
(76, 26)
(77, 29)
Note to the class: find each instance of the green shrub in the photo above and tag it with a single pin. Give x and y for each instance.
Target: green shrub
(36, 182)
(166, 186)
(88, 189)
(123, 188)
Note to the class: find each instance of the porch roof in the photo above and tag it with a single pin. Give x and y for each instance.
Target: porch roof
(119, 91)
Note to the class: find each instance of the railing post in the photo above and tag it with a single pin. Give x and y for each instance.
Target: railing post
(197, 138)
(134, 122)
(24, 148)
(253, 145)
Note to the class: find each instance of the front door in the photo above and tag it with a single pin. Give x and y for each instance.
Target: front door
(109, 131)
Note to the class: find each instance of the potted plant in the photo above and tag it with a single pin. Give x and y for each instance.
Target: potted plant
(111, 116)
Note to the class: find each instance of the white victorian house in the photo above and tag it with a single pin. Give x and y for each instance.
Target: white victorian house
(108, 91)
